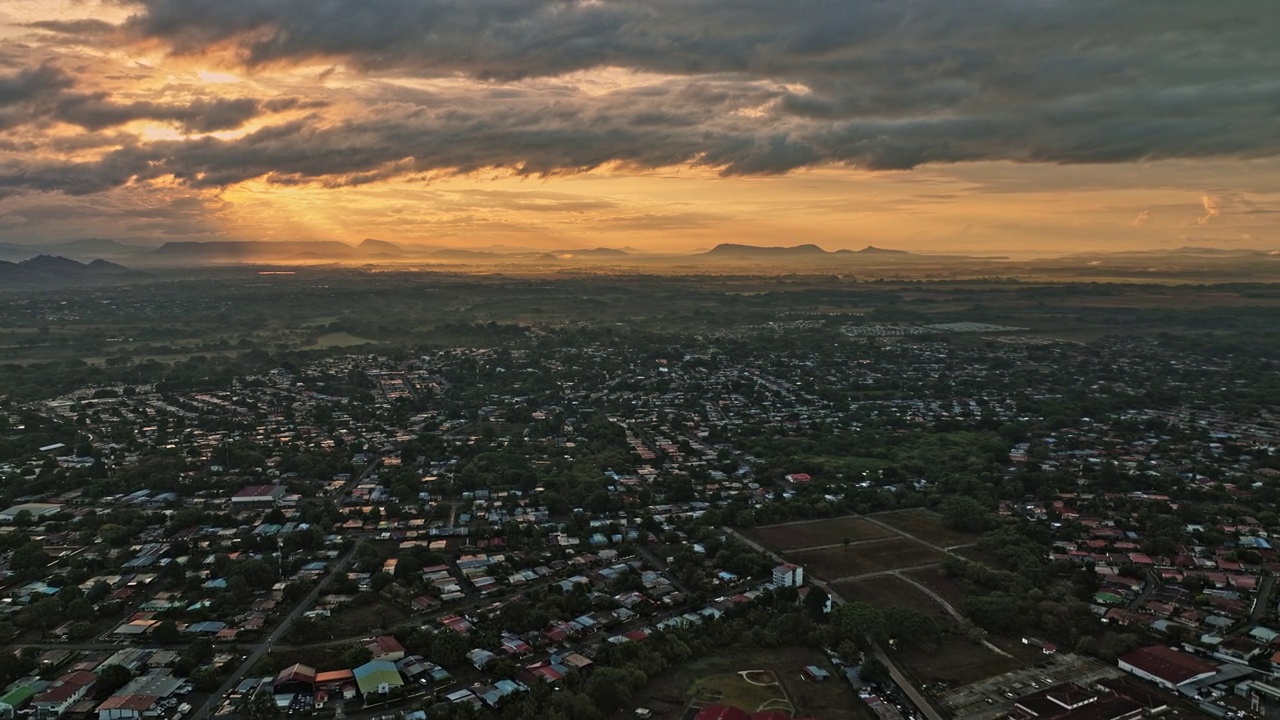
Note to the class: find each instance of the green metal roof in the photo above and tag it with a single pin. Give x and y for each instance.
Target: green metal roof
(18, 695)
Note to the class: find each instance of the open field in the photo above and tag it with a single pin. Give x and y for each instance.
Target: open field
(935, 580)
(670, 693)
(978, 555)
(871, 557)
(822, 532)
(927, 526)
(957, 660)
(890, 591)
(341, 339)
(732, 689)
(366, 615)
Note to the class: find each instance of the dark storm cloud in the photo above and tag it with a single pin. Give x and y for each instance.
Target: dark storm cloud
(46, 93)
(96, 111)
(75, 27)
(31, 84)
(752, 87)
(888, 84)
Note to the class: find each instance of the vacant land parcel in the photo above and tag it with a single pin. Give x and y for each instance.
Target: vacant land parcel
(837, 563)
(927, 526)
(792, 536)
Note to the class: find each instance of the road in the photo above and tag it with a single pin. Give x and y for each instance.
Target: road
(902, 682)
(1148, 586)
(1263, 599)
(661, 564)
(264, 647)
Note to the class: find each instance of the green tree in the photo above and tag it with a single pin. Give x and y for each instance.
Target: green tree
(111, 678)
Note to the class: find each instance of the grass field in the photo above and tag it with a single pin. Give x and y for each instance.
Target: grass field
(890, 591)
(957, 660)
(731, 689)
(340, 339)
(978, 555)
(360, 618)
(877, 556)
(670, 693)
(935, 580)
(823, 532)
(927, 526)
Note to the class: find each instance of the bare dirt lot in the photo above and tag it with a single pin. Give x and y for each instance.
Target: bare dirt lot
(822, 532)
(927, 526)
(878, 556)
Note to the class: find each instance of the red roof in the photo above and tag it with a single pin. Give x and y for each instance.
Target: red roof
(334, 676)
(1167, 664)
(66, 686)
(296, 673)
(771, 715)
(385, 645)
(722, 712)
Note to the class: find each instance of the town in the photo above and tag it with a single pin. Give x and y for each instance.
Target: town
(826, 518)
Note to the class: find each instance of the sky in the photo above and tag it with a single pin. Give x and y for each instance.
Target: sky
(1023, 127)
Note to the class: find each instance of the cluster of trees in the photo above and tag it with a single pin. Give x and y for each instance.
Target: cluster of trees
(1020, 592)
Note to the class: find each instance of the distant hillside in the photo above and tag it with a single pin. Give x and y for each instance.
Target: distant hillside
(371, 245)
(600, 253)
(233, 251)
(51, 271)
(872, 250)
(736, 251)
(86, 249)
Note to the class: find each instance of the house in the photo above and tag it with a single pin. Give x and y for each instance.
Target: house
(63, 693)
(481, 658)
(296, 678)
(1165, 666)
(126, 707)
(386, 647)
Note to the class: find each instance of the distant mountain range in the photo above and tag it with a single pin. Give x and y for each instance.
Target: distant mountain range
(49, 271)
(193, 254)
(86, 249)
(810, 252)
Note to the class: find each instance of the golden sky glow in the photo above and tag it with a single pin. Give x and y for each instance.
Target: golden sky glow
(568, 125)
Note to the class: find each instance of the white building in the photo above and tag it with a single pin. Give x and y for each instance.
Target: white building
(788, 575)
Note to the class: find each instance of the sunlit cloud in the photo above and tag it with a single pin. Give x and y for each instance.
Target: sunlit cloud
(1008, 126)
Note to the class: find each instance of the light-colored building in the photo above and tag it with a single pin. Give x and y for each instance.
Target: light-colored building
(788, 575)
(36, 510)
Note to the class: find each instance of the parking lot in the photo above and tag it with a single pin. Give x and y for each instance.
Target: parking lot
(994, 697)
